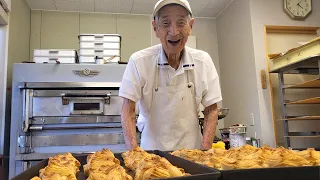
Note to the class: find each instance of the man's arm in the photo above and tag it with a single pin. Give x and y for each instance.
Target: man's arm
(128, 121)
(210, 124)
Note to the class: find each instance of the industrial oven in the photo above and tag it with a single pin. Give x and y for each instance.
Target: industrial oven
(64, 108)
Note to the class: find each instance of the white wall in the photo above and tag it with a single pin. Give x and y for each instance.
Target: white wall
(60, 30)
(18, 50)
(3, 80)
(237, 66)
(271, 12)
(205, 30)
(19, 35)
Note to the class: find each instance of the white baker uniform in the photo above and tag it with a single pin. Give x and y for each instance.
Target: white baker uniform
(169, 99)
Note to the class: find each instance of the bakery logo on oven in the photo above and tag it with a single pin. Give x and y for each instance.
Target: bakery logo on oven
(86, 72)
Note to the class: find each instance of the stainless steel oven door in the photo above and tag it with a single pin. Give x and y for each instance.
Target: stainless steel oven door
(86, 105)
(63, 103)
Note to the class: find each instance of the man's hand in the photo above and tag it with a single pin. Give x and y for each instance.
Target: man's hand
(128, 121)
(209, 127)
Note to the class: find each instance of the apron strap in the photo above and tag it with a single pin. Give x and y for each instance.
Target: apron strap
(188, 79)
(157, 78)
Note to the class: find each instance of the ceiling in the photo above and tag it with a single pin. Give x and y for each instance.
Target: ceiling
(200, 8)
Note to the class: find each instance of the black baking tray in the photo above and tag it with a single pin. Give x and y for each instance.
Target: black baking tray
(283, 173)
(197, 171)
(279, 173)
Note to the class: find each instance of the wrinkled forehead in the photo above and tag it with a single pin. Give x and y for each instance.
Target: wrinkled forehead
(173, 10)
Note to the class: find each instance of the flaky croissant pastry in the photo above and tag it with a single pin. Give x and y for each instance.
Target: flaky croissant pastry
(60, 167)
(103, 165)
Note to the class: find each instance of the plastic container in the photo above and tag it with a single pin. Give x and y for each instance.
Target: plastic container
(100, 45)
(100, 37)
(99, 52)
(238, 129)
(62, 60)
(54, 53)
(237, 140)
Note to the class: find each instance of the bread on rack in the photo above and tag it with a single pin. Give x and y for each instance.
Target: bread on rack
(62, 166)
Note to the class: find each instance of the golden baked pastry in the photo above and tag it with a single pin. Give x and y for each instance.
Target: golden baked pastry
(150, 166)
(60, 167)
(103, 165)
(133, 157)
(104, 158)
(116, 173)
(191, 155)
(251, 157)
(156, 167)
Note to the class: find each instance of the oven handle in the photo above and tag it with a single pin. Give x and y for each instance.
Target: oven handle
(70, 95)
(67, 97)
(74, 126)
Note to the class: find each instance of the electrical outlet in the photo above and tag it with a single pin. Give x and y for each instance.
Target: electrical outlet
(251, 117)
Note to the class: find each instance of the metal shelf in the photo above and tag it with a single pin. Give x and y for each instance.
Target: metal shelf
(307, 66)
(315, 100)
(302, 118)
(302, 136)
(309, 84)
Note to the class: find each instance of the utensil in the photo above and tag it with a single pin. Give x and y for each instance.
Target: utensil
(222, 112)
(104, 61)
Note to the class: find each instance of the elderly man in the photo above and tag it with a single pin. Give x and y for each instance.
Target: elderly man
(169, 81)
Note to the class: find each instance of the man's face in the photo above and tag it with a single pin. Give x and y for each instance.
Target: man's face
(172, 27)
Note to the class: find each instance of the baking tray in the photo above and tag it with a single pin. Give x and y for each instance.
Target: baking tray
(199, 172)
(284, 173)
(279, 173)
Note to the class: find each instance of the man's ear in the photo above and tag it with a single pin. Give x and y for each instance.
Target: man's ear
(191, 25)
(191, 22)
(154, 25)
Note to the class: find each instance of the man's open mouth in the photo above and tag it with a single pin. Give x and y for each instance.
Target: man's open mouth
(174, 43)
